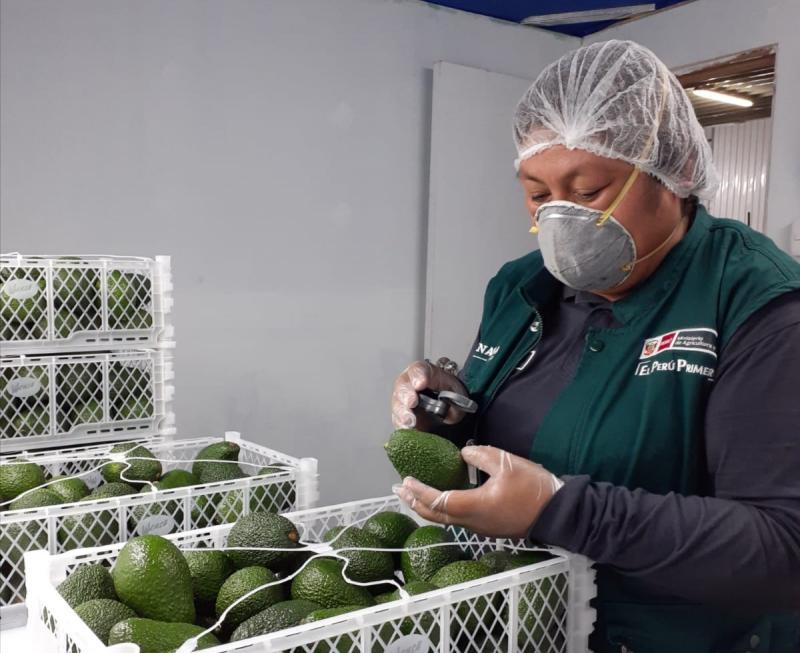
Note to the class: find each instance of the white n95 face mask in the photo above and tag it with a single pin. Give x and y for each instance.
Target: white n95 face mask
(588, 249)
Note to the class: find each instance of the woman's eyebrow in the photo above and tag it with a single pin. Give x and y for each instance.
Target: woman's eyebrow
(529, 177)
(568, 175)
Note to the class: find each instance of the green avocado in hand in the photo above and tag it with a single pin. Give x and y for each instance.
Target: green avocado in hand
(428, 458)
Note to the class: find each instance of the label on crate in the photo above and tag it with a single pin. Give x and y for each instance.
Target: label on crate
(410, 644)
(156, 525)
(93, 479)
(23, 386)
(21, 288)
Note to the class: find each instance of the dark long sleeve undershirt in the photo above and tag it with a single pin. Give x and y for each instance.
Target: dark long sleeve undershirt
(742, 544)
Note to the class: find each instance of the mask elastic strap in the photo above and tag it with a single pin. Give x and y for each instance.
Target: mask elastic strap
(629, 266)
(648, 146)
(621, 196)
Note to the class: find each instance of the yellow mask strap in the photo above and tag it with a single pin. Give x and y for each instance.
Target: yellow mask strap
(629, 266)
(621, 196)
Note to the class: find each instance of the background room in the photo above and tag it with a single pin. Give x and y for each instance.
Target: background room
(333, 182)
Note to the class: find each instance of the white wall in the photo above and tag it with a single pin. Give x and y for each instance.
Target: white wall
(710, 29)
(477, 218)
(278, 150)
(741, 154)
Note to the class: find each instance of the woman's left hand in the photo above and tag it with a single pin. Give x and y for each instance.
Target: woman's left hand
(506, 505)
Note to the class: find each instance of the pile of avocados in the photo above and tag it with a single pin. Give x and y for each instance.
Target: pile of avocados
(22, 486)
(158, 596)
(79, 395)
(77, 300)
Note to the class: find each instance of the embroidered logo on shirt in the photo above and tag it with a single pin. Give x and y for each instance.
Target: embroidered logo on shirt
(700, 339)
(646, 368)
(485, 353)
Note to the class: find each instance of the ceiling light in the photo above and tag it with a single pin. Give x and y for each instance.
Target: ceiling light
(589, 16)
(722, 97)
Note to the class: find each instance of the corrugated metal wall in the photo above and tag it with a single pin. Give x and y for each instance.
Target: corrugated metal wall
(741, 153)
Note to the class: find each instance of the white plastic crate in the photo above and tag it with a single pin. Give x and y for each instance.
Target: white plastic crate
(52, 304)
(52, 401)
(541, 608)
(72, 526)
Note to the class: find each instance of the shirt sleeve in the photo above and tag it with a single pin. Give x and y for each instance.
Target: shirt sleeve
(742, 543)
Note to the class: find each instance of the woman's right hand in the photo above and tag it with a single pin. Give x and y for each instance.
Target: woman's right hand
(422, 375)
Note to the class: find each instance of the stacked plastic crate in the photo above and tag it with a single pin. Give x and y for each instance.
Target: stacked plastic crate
(86, 359)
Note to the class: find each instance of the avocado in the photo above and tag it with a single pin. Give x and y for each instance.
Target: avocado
(137, 406)
(209, 570)
(525, 558)
(277, 617)
(495, 561)
(154, 636)
(390, 527)
(88, 412)
(541, 603)
(132, 470)
(363, 566)
(419, 563)
(428, 458)
(225, 471)
(222, 450)
(171, 510)
(384, 598)
(78, 382)
(469, 621)
(70, 489)
(152, 577)
(457, 572)
(19, 476)
(30, 309)
(219, 508)
(240, 583)
(86, 583)
(263, 529)
(327, 613)
(74, 287)
(344, 643)
(413, 588)
(29, 422)
(95, 528)
(321, 581)
(36, 498)
(65, 324)
(499, 561)
(128, 292)
(101, 615)
(277, 497)
(16, 538)
(178, 478)
(426, 620)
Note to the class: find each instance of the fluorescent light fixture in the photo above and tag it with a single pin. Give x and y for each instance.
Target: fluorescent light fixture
(722, 97)
(589, 16)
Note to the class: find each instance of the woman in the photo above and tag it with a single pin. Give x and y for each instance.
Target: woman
(638, 376)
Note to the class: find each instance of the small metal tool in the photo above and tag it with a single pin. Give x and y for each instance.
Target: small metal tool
(437, 404)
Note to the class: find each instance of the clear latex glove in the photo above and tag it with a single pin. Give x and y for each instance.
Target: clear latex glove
(506, 505)
(421, 375)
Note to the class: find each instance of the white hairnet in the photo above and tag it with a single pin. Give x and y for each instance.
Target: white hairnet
(618, 100)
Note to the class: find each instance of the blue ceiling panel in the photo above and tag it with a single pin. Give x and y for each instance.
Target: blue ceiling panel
(517, 10)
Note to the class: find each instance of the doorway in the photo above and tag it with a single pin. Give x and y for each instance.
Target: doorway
(732, 98)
